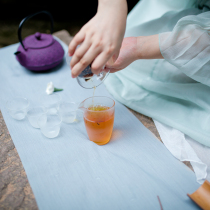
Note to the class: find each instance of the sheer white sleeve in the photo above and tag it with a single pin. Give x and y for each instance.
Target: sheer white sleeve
(188, 46)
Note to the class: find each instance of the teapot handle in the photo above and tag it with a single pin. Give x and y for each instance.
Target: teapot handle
(30, 16)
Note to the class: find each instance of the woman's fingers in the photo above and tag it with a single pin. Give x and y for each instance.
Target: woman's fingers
(111, 62)
(101, 37)
(78, 39)
(80, 52)
(88, 57)
(99, 62)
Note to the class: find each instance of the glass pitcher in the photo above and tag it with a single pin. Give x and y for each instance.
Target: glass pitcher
(98, 114)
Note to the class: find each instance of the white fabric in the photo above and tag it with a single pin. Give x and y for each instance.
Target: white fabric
(185, 148)
(188, 48)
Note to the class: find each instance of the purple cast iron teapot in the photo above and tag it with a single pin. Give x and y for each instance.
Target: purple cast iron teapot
(39, 52)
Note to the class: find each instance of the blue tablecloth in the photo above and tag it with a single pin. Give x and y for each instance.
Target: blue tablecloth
(71, 172)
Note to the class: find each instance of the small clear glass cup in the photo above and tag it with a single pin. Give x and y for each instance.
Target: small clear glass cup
(51, 103)
(87, 79)
(17, 107)
(49, 125)
(67, 112)
(33, 115)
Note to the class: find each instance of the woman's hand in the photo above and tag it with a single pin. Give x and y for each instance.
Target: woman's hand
(134, 48)
(128, 54)
(100, 38)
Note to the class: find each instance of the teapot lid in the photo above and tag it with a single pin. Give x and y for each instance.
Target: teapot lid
(38, 40)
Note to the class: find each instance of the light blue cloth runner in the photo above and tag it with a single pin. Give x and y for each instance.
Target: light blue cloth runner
(71, 172)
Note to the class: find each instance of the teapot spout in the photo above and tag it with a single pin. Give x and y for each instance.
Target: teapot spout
(18, 52)
(20, 57)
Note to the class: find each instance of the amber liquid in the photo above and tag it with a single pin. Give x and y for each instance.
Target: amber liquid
(99, 124)
(93, 94)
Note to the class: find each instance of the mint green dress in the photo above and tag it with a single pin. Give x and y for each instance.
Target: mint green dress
(174, 90)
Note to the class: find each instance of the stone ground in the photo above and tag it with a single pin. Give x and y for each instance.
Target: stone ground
(15, 190)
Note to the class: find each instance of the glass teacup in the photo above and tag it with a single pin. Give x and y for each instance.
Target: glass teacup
(87, 79)
(51, 102)
(33, 115)
(67, 111)
(49, 125)
(17, 107)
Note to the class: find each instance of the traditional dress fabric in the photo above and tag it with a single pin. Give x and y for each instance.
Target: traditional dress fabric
(174, 90)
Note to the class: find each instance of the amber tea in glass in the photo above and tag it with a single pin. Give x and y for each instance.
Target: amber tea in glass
(99, 118)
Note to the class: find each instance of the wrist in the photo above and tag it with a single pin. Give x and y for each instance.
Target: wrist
(148, 47)
(134, 48)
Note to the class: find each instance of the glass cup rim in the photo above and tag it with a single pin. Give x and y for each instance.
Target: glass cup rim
(63, 102)
(42, 107)
(100, 97)
(60, 121)
(46, 103)
(17, 98)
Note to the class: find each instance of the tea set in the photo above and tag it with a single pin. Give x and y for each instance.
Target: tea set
(41, 52)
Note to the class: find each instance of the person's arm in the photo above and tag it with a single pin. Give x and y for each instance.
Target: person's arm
(100, 38)
(187, 47)
(134, 48)
(148, 47)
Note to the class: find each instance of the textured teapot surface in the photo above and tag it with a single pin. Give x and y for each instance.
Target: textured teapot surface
(42, 52)
(38, 40)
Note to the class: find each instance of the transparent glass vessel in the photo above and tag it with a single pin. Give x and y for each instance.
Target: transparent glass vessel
(67, 112)
(98, 114)
(87, 79)
(17, 108)
(33, 115)
(49, 125)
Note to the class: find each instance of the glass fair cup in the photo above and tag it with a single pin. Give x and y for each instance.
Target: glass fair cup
(98, 114)
(87, 79)
(49, 125)
(17, 107)
(51, 103)
(67, 112)
(33, 115)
